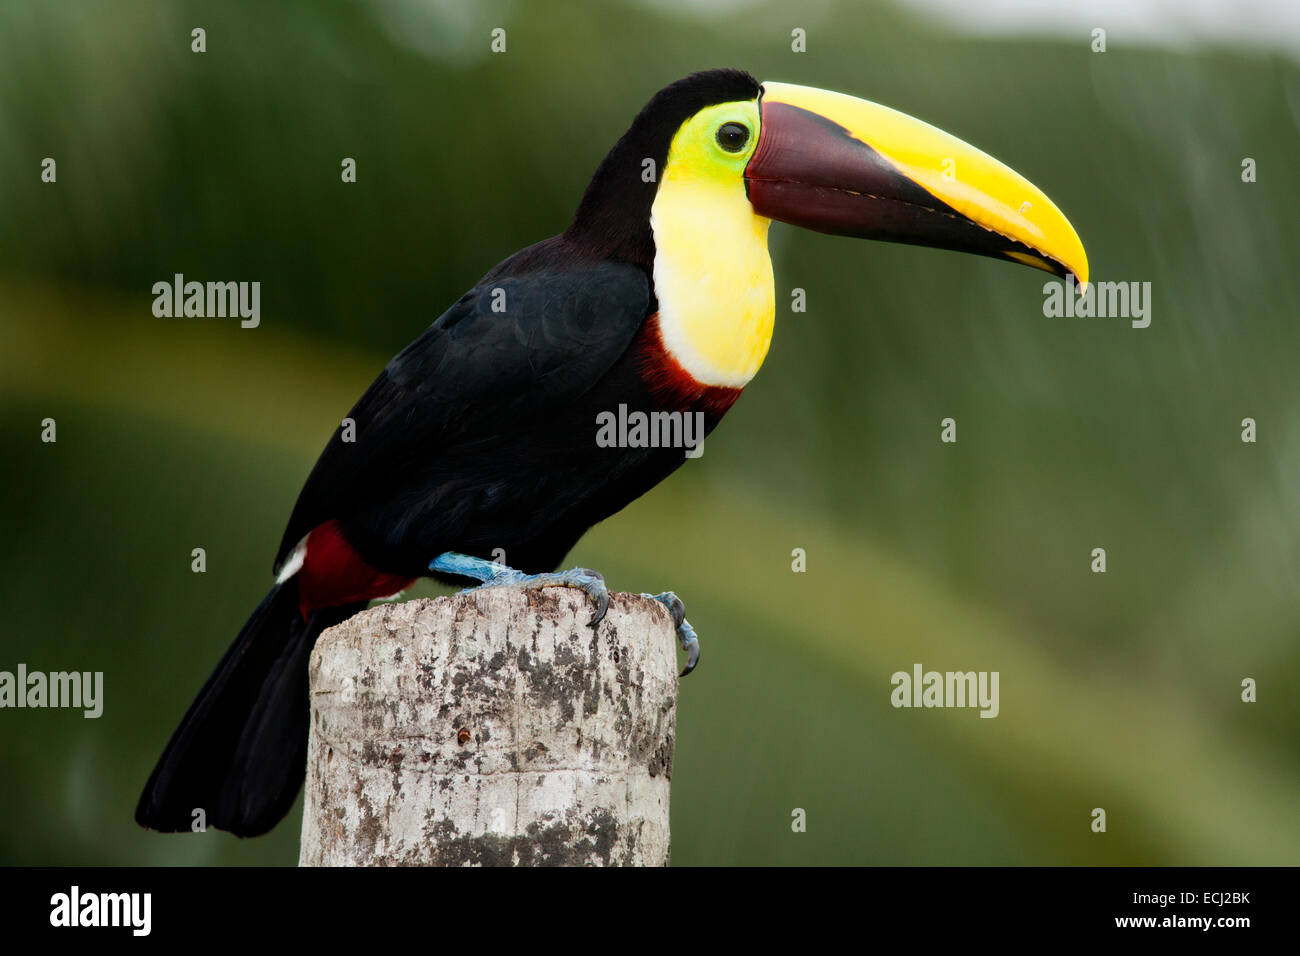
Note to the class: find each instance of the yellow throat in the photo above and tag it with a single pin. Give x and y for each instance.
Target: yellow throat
(712, 271)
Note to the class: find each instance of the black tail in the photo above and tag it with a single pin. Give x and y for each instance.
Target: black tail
(240, 753)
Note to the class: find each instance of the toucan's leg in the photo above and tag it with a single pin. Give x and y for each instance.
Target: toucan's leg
(495, 575)
(685, 633)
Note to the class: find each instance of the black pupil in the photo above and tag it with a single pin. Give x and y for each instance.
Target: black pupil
(732, 137)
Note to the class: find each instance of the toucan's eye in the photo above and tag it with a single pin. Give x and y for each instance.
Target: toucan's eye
(732, 137)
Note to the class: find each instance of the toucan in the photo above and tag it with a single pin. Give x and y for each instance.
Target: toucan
(478, 439)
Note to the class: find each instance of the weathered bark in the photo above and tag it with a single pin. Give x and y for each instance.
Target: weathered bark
(492, 728)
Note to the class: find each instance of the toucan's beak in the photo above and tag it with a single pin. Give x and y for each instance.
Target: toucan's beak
(841, 165)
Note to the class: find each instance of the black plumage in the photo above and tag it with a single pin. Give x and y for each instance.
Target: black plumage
(480, 435)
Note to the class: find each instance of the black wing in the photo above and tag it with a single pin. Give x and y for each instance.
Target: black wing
(513, 343)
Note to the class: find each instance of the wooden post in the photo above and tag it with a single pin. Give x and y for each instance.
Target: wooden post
(492, 728)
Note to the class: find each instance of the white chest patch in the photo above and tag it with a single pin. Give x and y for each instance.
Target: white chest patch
(293, 564)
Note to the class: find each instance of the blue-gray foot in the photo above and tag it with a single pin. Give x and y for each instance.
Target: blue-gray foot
(685, 633)
(495, 575)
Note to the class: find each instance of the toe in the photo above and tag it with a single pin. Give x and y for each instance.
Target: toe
(675, 607)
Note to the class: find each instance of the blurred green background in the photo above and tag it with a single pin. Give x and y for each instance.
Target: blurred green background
(1118, 690)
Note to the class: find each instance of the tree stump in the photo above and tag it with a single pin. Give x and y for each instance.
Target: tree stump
(492, 728)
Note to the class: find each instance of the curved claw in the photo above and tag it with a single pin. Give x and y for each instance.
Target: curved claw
(691, 645)
(598, 591)
(586, 580)
(686, 635)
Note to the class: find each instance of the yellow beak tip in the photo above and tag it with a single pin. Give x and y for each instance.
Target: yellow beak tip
(1080, 271)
